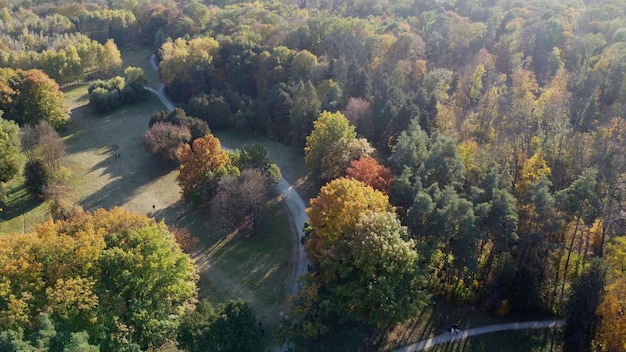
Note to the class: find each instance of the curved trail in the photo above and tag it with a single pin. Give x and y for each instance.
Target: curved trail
(463, 334)
(297, 207)
(294, 202)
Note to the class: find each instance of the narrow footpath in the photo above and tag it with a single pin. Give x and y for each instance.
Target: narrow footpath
(463, 334)
(292, 199)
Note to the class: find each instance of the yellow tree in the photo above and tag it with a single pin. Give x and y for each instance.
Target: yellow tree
(336, 210)
(611, 333)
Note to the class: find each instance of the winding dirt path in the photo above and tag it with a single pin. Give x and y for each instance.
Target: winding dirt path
(292, 199)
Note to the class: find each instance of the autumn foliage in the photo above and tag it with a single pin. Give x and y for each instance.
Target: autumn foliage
(165, 140)
(107, 273)
(199, 164)
(337, 209)
(371, 173)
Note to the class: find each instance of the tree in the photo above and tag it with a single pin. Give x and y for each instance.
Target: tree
(187, 243)
(201, 166)
(339, 155)
(256, 156)
(357, 110)
(10, 148)
(235, 329)
(79, 342)
(336, 211)
(410, 150)
(241, 197)
(34, 97)
(178, 117)
(37, 177)
(373, 272)
(110, 58)
(581, 320)
(229, 327)
(443, 164)
(327, 129)
(305, 108)
(611, 333)
(580, 203)
(116, 275)
(213, 109)
(165, 140)
(41, 141)
(371, 173)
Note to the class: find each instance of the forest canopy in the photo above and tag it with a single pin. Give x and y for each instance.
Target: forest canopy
(496, 128)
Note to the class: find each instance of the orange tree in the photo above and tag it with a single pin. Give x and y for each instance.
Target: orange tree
(201, 167)
(370, 172)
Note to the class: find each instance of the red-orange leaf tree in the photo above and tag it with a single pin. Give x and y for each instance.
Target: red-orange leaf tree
(373, 174)
(201, 165)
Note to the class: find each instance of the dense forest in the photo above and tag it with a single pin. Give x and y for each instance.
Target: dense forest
(470, 150)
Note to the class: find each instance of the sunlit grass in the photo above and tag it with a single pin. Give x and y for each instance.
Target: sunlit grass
(255, 267)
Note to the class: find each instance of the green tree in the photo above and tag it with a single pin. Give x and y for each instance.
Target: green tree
(79, 342)
(229, 327)
(10, 149)
(235, 329)
(34, 97)
(305, 108)
(118, 276)
(497, 214)
(373, 273)
(410, 150)
(256, 156)
(327, 129)
(578, 202)
(37, 177)
(581, 321)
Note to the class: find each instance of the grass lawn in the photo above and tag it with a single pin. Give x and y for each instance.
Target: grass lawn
(255, 268)
(22, 213)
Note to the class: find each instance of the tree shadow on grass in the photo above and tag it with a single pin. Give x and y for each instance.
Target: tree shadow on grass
(19, 202)
(183, 214)
(128, 173)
